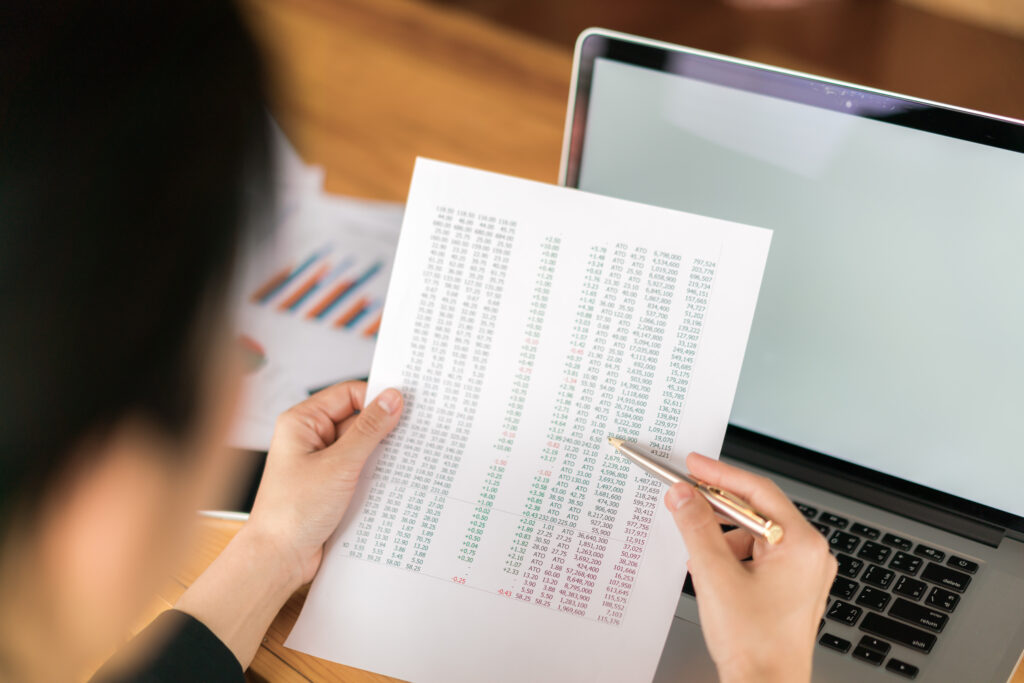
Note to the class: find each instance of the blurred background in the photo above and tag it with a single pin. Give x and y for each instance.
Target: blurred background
(964, 52)
(363, 87)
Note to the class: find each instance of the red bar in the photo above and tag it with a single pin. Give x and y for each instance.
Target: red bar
(329, 298)
(271, 284)
(372, 329)
(352, 312)
(304, 289)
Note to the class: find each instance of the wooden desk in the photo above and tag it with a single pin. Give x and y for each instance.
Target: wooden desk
(367, 85)
(364, 87)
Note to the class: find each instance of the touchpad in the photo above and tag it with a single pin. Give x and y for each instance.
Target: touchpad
(685, 658)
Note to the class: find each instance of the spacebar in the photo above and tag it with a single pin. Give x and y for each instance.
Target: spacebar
(909, 636)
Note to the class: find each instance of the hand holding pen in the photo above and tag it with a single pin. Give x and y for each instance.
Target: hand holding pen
(730, 506)
(760, 617)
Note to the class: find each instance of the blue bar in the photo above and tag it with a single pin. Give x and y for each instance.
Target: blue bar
(294, 274)
(370, 272)
(369, 308)
(340, 268)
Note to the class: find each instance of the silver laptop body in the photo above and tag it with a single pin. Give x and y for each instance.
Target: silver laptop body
(883, 386)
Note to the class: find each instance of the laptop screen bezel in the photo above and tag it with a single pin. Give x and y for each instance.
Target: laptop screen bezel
(986, 129)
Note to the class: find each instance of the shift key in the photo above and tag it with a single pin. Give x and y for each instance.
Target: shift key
(890, 629)
(944, 576)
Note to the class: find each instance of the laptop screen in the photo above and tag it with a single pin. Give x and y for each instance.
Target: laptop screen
(890, 327)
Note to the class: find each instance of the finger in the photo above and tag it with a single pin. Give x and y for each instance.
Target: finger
(740, 542)
(760, 492)
(710, 555)
(367, 430)
(346, 423)
(339, 400)
(312, 424)
(831, 568)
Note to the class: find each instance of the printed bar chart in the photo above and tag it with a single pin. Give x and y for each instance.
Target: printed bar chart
(338, 295)
(344, 293)
(282, 279)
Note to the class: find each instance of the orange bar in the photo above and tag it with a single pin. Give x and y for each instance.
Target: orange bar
(329, 298)
(352, 312)
(373, 327)
(304, 289)
(271, 284)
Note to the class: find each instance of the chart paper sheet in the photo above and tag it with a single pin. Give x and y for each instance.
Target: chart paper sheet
(496, 535)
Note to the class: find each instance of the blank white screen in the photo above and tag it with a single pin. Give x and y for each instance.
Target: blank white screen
(890, 327)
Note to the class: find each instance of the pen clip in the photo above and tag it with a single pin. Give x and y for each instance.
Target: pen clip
(737, 504)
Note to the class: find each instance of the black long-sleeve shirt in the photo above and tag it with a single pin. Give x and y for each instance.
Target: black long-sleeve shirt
(175, 647)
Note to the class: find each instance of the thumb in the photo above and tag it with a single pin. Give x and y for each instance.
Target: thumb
(369, 428)
(710, 556)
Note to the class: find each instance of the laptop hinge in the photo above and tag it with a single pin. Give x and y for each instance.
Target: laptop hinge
(867, 492)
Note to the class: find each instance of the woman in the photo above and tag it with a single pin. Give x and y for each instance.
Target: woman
(131, 138)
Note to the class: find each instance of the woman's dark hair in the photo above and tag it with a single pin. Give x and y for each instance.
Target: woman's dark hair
(132, 136)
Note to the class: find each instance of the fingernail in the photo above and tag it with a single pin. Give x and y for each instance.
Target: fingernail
(389, 400)
(679, 494)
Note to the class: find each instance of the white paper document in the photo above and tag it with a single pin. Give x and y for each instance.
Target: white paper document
(496, 535)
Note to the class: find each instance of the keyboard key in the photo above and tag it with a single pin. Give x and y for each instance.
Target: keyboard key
(834, 520)
(930, 553)
(820, 625)
(844, 588)
(898, 632)
(822, 528)
(874, 552)
(844, 613)
(862, 530)
(872, 643)
(905, 563)
(844, 542)
(835, 642)
(943, 599)
(897, 541)
(873, 598)
(916, 614)
(902, 668)
(950, 578)
(878, 576)
(960, 563)
(866, 655)
(849, 566)
(806, 510)
(911, 588)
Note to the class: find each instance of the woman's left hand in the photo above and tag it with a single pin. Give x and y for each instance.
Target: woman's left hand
(318, 450)
(316, 455)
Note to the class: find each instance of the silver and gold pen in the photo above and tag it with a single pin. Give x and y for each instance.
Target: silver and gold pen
(724, 503)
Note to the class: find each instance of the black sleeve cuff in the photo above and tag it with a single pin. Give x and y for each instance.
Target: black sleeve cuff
(175, 647)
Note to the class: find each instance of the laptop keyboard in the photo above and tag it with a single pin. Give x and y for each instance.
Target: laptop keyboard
(898, 593)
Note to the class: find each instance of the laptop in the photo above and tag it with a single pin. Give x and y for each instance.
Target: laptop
(883, 385)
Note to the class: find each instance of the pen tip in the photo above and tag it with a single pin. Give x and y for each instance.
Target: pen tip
(614, 441)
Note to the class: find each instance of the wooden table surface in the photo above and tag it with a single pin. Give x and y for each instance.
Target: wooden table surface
(366, 86)
(363, 88)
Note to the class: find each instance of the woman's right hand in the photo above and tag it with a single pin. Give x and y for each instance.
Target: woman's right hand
(760, 618)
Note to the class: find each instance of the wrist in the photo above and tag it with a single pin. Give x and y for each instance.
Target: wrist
(778, 670)
(240, 593)
(278, 562)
